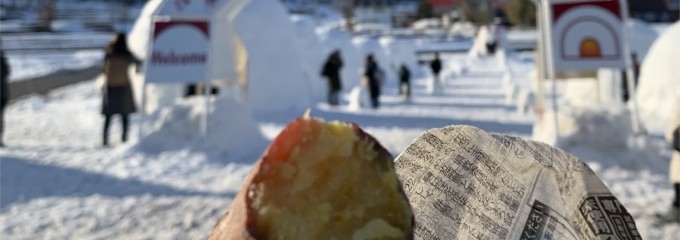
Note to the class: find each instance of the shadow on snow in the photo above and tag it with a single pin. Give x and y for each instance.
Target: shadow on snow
(23, 181)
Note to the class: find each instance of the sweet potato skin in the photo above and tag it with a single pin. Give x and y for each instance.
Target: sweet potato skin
(237, 223)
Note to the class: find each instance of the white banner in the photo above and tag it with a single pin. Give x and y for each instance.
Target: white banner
(587, 34)
(179, 52)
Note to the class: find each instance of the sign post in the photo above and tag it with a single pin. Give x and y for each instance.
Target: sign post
(585, 35)
(179, 52)
(637, 124)
(549, 53)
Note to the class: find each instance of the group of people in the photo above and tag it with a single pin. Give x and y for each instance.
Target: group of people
(373, 77)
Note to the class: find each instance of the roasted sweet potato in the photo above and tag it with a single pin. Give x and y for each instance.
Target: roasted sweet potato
(320, 180)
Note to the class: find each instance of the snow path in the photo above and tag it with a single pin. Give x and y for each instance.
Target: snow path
(58, 183)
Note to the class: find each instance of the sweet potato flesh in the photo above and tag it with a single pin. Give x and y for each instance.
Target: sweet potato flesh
(323, 181)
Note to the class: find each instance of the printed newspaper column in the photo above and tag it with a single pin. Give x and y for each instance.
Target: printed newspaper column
(466, 184)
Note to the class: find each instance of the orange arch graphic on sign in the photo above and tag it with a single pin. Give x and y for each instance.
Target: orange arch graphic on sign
(590, 48)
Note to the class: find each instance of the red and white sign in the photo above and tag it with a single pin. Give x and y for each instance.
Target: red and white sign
(179, 52)
(587, 34)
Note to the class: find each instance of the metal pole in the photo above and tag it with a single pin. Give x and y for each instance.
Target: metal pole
(539, 97)
(140, 134)
(637, 126)
(207, 88)
(146, 67)
(547, 27)
(204, 126)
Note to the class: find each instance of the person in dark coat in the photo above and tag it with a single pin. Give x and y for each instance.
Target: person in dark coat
(118, 97)
(436, 66)
(404, 81)
(331, 70)
(373, 81)
(4, 93)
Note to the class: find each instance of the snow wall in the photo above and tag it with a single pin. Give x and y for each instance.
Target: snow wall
(314, 54)
(660, 80)
(277, 78)
(602, 127)
(231, 129)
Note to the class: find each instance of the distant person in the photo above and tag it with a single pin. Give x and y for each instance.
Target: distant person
(636, 75)
(404, 81)
(4, 93)
(673, 134)
(436, 66)
(372, 76)
(198, 89)
(118, 97)
(331, 70)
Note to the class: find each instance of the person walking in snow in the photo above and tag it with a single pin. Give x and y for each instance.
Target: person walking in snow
(4, 93)
(673, 134)
(331, 70)
(117, 95)
(436, 66)
(404, 81)
(372, 76)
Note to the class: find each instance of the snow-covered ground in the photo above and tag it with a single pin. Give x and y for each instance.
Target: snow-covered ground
(59, 183)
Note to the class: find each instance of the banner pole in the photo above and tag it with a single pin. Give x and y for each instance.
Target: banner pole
(539, 96)
(635, 118)
(143, 113)
(204, 126)
(207, 88)
(550, 62)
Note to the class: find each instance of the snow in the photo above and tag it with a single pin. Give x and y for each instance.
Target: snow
(641, 37)
(31, 65)
(400, 51)
(174, 183)
(277, 81)
(314, 54)
(286, 83)
(231, 132)
(603, 127)
(658, 89)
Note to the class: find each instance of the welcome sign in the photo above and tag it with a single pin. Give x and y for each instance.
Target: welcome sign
(179, 52)
(587, 34)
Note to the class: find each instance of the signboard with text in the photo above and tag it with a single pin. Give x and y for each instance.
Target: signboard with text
(587, 34)
(179, 52)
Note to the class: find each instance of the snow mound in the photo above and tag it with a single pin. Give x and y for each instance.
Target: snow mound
(231, 129)
(314, 54)
(277, 81)
(358, 98)
(659, 86)
(601, 127)
(479, 46)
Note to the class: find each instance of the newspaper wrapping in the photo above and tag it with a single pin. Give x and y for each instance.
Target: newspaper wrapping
(464, 183)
